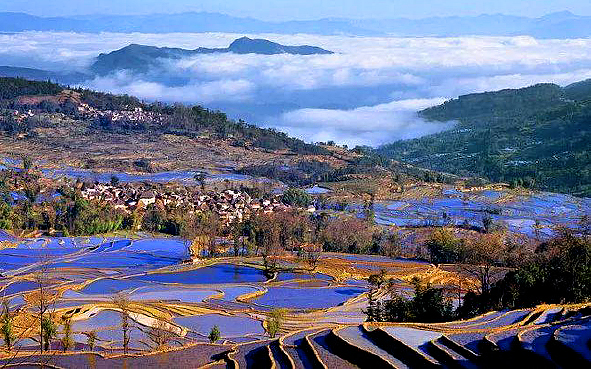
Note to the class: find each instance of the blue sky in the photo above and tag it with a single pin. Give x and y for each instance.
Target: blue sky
(300, 9)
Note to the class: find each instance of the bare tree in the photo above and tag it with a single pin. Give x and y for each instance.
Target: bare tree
(312, 253)
(43, 300)
(67, 341)
(484, 256)
(160, 335)
(199, 232)
(91, 339)
(392, 244)
(121, 302)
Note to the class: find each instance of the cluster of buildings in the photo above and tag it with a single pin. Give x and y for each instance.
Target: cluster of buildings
(21, 116)
(135, 115)
(229, 205)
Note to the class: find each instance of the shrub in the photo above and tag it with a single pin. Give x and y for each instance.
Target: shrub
(214, 334)
(296, 197)
(275, 321)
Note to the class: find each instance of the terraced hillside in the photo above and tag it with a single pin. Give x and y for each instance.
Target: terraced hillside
(544, 337)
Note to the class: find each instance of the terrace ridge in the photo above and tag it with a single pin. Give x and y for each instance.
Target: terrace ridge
(326, 353)
(280, 355)
(461, 349)
(311, 350)
(448, 356)
(269, 356)
(582, 358)
(489, 343)
(529, 347)
(397, 346)
(357, 355)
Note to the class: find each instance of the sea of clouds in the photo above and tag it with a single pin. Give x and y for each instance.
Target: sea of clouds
(367, 93)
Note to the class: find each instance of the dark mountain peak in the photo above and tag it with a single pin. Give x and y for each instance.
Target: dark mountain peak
(141, 58)
(246, 45)
(136, 46)
(243, 39)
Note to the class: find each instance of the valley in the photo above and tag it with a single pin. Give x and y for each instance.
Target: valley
(136, 233)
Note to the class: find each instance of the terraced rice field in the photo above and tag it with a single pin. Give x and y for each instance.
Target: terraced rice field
(519, 212)
(187, 177)
(86, 273)
(536, 341)
(325, 312)
(577, 338)
(416, 339)
(356, 338)
(299, 298)
(319, 342)
(230, 326)
(226, 273)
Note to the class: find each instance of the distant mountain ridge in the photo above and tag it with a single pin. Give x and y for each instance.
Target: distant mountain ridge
(140, 58)
(42, 75)
(555, 25)
(537, 135)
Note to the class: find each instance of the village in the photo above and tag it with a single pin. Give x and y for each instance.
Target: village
(230, 205)
(27, 107)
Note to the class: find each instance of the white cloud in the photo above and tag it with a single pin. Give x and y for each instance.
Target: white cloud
(203, 92)
(368, 125)
(345, 96)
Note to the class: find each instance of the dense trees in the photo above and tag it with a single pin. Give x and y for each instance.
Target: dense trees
(296, 197)
(444, 247)
(197, 121)
(200, 230)
(558, 272)
(349, 234)
(428, 305)
(536, 137)
(14, 87)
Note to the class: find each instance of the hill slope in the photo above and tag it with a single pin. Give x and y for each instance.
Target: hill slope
(125, 114)
(536, 136)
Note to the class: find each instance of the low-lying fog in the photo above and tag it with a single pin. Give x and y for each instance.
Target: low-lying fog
(367, 93)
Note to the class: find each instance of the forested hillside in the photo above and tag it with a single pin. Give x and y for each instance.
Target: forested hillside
(535, 137)
(126, 114)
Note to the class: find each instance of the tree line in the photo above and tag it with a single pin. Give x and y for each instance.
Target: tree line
(557, 271)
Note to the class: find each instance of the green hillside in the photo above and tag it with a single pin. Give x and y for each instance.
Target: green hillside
(536, 136)
(157, 118)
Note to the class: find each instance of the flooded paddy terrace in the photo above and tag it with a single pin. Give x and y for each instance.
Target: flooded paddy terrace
(534, 214)
(232, 293)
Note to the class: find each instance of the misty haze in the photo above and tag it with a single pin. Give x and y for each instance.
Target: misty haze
(385, 81)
